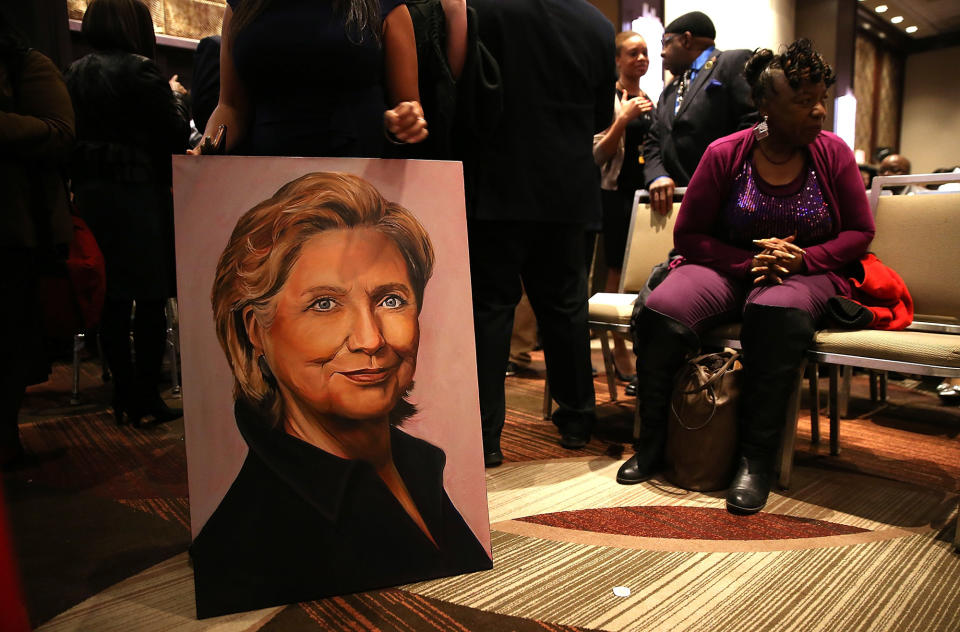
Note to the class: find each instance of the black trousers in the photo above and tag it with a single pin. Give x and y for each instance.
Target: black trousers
(26, 362)
(548, 258)
(136, 385)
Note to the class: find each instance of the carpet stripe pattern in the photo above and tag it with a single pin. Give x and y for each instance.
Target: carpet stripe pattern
(904, 583)
(401, 611)
(859, 542)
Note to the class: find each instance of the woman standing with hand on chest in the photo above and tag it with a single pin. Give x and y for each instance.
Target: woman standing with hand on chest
(618, 151)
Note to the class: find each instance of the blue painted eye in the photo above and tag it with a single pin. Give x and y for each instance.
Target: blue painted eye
(324, 304)
(393, 301)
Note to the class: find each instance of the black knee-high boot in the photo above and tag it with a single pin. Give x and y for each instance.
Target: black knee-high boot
(662, 346)
(774, 340)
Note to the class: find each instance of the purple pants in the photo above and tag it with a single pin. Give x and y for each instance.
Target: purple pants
(700, 297)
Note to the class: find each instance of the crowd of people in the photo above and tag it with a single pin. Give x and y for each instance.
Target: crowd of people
(542, 103)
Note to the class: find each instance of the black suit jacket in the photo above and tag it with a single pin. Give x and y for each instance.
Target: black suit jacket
(716, 103)
(300, 524)
(556, 63)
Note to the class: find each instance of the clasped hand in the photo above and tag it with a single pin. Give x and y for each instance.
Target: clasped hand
(406, 123)
(779, 258)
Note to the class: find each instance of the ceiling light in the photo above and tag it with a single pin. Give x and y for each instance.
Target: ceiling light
(881, 35)
(881, 8)
(911, 29)
(866, 26)
(897, 19)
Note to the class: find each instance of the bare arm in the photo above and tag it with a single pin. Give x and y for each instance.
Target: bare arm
(405, 119)
(455, 12)
(233, 108)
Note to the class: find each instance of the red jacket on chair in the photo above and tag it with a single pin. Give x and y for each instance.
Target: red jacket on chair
(880, 299)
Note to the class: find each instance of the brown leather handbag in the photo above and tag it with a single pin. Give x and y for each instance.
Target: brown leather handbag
(702, 431)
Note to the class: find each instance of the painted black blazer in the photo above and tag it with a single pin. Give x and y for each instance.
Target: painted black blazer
(716, 104)
(300, 524)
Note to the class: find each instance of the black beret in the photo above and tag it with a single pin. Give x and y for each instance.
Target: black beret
(696, 22)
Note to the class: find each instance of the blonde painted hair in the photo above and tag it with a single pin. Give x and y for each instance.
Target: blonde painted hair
(264, 247)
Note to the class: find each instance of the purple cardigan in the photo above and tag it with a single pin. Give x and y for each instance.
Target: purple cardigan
(839, 177)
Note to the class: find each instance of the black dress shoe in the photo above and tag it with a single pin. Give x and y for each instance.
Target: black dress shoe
(574, 441)
(493, 458)
(631, 388)
(750, 487)
(638, 468)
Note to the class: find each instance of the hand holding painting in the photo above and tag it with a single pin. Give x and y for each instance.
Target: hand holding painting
(216, 146)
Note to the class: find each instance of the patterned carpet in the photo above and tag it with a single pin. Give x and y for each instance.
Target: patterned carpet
(859, 542)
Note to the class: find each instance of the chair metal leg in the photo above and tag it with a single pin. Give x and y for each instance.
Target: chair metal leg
(834, 410)
(174, 369)
(77, 348)
(844, 403)
(547, 403)
(873, 387)
(608, 365)
(789, 437)
(883, 387)
(814, 403)
(173, 344)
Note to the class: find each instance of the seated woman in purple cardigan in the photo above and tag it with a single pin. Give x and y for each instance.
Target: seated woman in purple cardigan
(772, 218)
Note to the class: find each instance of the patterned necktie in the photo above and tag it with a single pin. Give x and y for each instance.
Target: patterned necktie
(684, 80)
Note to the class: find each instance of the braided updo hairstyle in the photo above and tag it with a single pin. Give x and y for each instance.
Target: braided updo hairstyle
(799, 63)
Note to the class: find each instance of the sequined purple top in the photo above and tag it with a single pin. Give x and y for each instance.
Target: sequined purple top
(758, 210)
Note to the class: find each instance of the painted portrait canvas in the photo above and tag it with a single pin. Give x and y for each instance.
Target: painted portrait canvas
(330, 390)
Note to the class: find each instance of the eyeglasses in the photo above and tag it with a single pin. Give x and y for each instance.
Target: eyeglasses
(667, 39)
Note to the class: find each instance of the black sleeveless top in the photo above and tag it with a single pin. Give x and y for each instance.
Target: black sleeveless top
(315, 89)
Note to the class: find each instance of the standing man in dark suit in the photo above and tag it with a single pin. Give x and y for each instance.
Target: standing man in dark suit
(532, 186)
(708, 98)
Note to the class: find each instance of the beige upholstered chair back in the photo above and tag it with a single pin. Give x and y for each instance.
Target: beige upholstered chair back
(918, 237)
(648, 243)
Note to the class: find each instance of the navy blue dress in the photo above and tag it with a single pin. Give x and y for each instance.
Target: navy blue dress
(314, 88)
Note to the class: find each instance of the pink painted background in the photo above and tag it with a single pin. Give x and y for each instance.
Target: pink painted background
(210, 194)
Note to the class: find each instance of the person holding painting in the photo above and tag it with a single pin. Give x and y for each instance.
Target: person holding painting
(304, 78)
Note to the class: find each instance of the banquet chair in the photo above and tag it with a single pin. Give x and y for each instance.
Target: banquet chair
(649, 240)
(915, 237)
